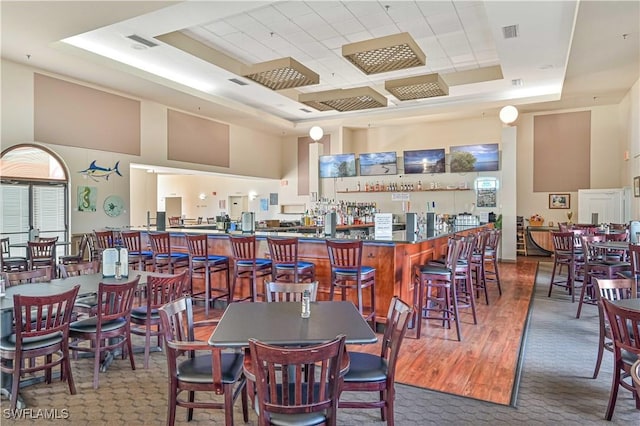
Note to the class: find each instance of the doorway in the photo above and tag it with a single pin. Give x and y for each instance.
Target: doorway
(173, 207)
(237, 205)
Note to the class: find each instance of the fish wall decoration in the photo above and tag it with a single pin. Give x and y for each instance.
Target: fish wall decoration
(96, 172)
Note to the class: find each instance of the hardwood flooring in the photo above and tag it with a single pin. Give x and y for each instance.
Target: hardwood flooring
(482, 366)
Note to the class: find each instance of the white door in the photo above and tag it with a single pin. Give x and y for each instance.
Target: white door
(237, 205)
(608, 204)
(173, 207)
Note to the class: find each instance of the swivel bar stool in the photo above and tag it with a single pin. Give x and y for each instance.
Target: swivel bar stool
(286, 266)
(247, 265)
(201, 263)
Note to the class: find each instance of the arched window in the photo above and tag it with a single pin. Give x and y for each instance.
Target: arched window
(34, 193)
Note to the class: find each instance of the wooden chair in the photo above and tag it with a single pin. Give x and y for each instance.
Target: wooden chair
(11, 263)
(164, 258)
(175, 222)
(564, 255)
(139, 258)
(203, 264)
(42, 254)
(348, 274)
(215, 371)
(376, 373)
(42, 332)
(290, 292)
(86, 305)
(610, 289)
(297, 385)
(433, 290)
(596, 265)
(41, 275)
(247, 265)
(104, 240)
(625, 329)
(79, 257)
(160, 291)
(286, 267)
(635, 375)
(110, 328)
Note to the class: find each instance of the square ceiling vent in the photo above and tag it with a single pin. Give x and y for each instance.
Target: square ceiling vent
(390, 53)
(418, 87)
(284, 73)
(343, 100)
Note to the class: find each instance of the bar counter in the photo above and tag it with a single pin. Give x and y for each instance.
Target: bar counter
(393, 259)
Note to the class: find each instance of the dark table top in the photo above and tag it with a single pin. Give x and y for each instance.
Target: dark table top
(280, 323)
(614, 245)
(633, 304)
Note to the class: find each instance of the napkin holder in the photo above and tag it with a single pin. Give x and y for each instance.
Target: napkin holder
(112, 257)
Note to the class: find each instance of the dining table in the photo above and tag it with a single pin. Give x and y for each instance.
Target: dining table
(88, 285)
(631, 303)
(281, 323)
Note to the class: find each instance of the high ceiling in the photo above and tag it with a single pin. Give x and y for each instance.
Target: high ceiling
(566, 54)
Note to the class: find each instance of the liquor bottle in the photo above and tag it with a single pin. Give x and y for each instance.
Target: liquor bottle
(419, 185)
(358, 186)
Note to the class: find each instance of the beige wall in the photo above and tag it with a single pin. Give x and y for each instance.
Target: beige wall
(614, 131)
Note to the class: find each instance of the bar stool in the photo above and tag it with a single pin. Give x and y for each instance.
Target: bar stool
(285, 264)
(205, 264)
(477, 265)
(163, 257)
(432, 290)
(247, 265)
(492, 274)
(138, 258)
(348, 273)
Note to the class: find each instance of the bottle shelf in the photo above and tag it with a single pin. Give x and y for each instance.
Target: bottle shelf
(415, 190)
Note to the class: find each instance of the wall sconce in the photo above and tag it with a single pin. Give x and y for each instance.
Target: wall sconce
(508, 114)
(202, 196)
(253, 195)
(316, 133)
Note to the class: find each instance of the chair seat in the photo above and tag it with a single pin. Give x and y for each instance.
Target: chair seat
(307, 419)
(89, 325)
(141, 253)
(141, 313)
(199, 369)
(260, 263)
(174, 256)
(365, 367)
(211, 258)
(301, 265)
(348, 271)
(9, 343)
(434, 270)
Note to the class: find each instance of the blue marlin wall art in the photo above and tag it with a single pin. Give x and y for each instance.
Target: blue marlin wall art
(96, 172)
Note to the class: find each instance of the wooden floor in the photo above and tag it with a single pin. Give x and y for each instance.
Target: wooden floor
(482, 366)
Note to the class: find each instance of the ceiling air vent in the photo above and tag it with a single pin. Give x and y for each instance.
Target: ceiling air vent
(510, 31)
(142, 40)
(305, 110)
(238, 82)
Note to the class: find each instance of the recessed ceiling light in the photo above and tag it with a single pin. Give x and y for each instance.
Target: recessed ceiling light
(517, 82)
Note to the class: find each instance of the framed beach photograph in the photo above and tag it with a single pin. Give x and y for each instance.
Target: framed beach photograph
(636, 186)
(559, 201)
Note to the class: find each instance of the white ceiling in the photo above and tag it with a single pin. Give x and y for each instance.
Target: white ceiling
(569, 54)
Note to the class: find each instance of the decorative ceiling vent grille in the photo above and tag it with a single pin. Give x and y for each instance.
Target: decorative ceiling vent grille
(238, 82)
(419, 87)
(343, 100)
(390, 53)
(284, 73)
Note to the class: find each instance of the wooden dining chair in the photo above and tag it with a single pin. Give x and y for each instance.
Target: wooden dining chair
(80, 256)
(11, 263)
(85, 305)
(41, 331)
(42, 253)
(41, 275)
(110, 328)
(376, 373)
(625, 329)
(212, 370)
(297, 385)
(290, 292)
(610, 289)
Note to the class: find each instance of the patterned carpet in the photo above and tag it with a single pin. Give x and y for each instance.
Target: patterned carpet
(555, 387)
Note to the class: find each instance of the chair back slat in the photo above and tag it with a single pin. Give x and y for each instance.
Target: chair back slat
(290, 292)
(563, 241)
(297, 380)
(104, 239)
(39, 250)
(132, 241)
(243, 247)
(116, 300)
(198, 245)
(77, 269)
(398, 318)
(164, 289)
(43, 315)
(625, 328)
(39, 275)
(345, 254)
(160, 243)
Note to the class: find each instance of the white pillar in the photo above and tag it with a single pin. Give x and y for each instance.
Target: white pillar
(508, 193)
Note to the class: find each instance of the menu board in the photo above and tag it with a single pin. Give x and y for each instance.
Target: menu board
(383, 226)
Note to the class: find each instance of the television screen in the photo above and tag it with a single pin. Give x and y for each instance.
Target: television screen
(475, 158)
(424, 161)
(338, 165)
(378, 163)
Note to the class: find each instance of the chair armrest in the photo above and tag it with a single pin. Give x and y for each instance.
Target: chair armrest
(190, 346)
(205, 323)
